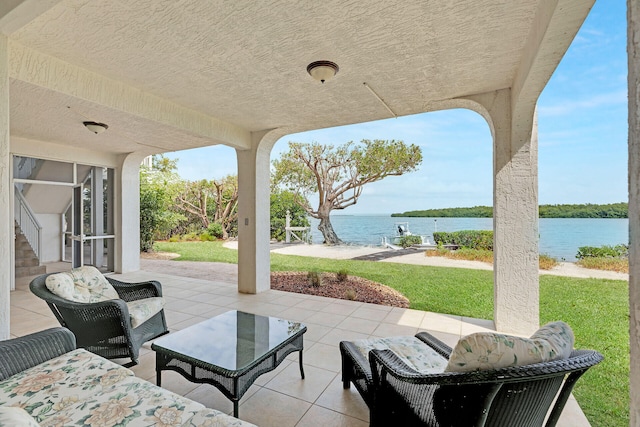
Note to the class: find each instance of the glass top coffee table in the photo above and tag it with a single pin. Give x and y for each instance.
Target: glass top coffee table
(229, 351)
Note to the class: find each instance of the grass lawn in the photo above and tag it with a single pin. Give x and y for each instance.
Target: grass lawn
(596, 309)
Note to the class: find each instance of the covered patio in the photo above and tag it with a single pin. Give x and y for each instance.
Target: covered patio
(167, 76)
(279, 398)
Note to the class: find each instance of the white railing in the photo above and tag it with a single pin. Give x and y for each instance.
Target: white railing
(29, 225)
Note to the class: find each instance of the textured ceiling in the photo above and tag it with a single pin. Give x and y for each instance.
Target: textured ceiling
(244, 62)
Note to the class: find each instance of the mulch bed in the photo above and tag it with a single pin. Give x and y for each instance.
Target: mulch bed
(353, 288)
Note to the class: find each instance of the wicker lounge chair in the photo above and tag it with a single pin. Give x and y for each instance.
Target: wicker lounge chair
(520, 396)
(105, 328)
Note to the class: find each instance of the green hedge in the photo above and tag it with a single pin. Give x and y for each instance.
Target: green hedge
(618, 251)
(472, 239)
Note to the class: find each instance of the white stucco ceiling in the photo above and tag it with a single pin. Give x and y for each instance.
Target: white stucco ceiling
(243, 63)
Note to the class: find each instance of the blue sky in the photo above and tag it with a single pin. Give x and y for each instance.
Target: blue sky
(582, 136)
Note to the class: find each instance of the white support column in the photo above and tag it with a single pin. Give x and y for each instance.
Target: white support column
(6, 227)
(633, 50)
(253, 216)
(515, 212)
(127, 226)
(515, 227)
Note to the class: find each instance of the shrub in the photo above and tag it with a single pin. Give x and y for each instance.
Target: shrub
(189, 237)
(350, 294)
(342, 275)
(546, 262)
(206, 237)
(215, 230)
(406, 241)
(618, 251)
(174, 239)
(472, 239)
(314, 278)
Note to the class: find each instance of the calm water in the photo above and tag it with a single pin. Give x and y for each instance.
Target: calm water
(559, 237)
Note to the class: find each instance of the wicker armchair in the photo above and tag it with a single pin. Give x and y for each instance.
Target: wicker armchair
(104, 328)
(518, 396)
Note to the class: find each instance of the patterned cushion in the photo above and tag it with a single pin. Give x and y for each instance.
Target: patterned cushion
(60, 382)
(138, 402)
(560, 338)
(144, 309)
(83, 284)
(12, 416)
(481, 351)
(411, 350)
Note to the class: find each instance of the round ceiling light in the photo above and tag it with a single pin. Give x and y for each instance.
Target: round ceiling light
(95, 127)
(322, 70)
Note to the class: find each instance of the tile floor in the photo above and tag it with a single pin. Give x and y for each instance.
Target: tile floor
(279, 398)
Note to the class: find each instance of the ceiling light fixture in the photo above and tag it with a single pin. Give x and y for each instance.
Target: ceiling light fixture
(95, 127)
(322, 70)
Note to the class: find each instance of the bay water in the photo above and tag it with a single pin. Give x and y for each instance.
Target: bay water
(559, 237)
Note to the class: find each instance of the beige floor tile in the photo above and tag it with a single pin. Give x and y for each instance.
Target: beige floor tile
(390, 330)
(321, 417)
(175, 317)
(146, 368)
(312, 304)
(323, 356)
(441, 323)
(267, 408)
(471, 325)
(289, 382)
(334, 336)
(295, 313)
(326, 319)
(176, 383)
(315, 332)
(345, 401)
(404, 317)
(357, 324)
(369, 314)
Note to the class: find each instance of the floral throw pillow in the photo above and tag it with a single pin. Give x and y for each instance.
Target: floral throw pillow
(484, 351)
(84, 284)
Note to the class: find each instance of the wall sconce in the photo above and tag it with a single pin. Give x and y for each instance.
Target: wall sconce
(95, 127)
(322, 70)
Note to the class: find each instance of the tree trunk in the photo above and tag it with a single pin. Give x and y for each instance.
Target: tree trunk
(330, 236)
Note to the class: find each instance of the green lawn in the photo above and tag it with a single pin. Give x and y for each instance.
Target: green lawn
(596, 309)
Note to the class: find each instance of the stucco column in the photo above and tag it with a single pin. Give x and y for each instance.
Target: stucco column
(515, 220)
(253, 216)
(127, 217)
(6, 228)
(515, 212)
(633, 50)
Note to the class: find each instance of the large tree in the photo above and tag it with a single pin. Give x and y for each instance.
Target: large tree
(337, 174)
(211, 201)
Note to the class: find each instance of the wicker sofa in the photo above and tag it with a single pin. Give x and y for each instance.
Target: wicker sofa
(46, 381)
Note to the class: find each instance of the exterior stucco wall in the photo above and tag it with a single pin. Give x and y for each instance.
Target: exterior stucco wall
(633, 40)
(6, 229)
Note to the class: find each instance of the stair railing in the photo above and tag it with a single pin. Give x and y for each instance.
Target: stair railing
(28, 223)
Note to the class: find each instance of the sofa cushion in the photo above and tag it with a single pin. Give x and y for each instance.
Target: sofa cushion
(485, 350)
(144, 309)
(411, 350)
(12, 416)
(60, 382)
(138, 402)
(84, 284)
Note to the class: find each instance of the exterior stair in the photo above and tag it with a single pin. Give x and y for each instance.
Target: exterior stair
(27, 264)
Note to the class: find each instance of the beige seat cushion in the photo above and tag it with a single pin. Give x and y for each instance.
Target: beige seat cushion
(411, 350)
(144, 309)
(484, 351)
(84, 284)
